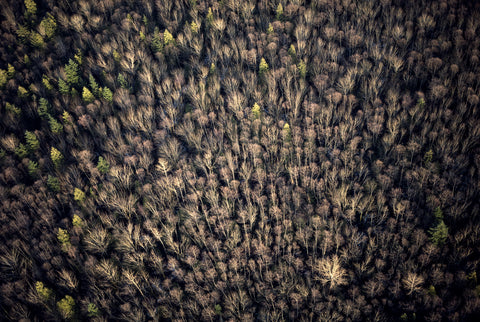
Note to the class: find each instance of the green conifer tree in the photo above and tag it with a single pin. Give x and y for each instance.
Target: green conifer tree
(263, 67)
(72, 71)
(107, 94)
(32, 141)
(48, 26)
(57, 157)
(87, 96)
(66, 307)
(156, 44)
(102, 165)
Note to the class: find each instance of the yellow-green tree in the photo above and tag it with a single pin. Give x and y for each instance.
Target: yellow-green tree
(256, 111)
(57, 157)
(168, 38)
(87, 96)
(42, 291)
(263, 67)
(31, 7)
(78, 195)
(64, 238)
(3, 77)
(66, 307)
(48, 26)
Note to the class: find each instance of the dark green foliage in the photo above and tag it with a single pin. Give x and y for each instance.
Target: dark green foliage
(36, 40)
(23, 33)
(43, 108)
(55, 126)
(21, 151)
(107, 94)
(53, 183)
(3, 78)
(10, 71)
(46, 83)
(122, 81)
(57, 157)
(32, 168)
(302, 69)
(72, 72)
(12, 109)
(93, 310)
(31, 8)
(22, 92)
(44, 292)
(93, 85)
(439, 233)
(63, 87)
(157, 44)
(32, 141)
(438, 213)
(102, 165)
(66, 307)
(428, 157)
(48, 26)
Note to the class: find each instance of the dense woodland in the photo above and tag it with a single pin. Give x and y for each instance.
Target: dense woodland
(202, 160)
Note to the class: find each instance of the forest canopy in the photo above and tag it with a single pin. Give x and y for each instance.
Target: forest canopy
(203, 160)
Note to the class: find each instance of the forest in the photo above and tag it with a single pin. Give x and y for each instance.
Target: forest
(271, 160)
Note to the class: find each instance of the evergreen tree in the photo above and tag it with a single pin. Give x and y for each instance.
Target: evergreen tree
(57, 157)
(66, 307)
(263, 67)
(439, 233)
(32, 141)
(102, 165)
(107, 94)
(72, 71)
(87, 96)
(157, 44)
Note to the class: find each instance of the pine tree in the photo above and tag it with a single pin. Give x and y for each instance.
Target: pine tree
(66, 307)
(102, 165)
(55, 126)
(10, 71)
(64, 238)
(43, 107)
(48, 26)
(57, 157)
(36, 40)
(168, 38)
(32, 141)
(31, 7)
(256, 111)
(71, 69)
(107, 94)
(87, 96)
(439, 233)
(287, 132)
(93, 85)
(156, 41)
(43, 291)
(263, 67)
(32, 168)
(279, 12)
(53, 183)
(63, 87)
(3, 77)
(302, 69)
(78, 195)
(194, 27)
